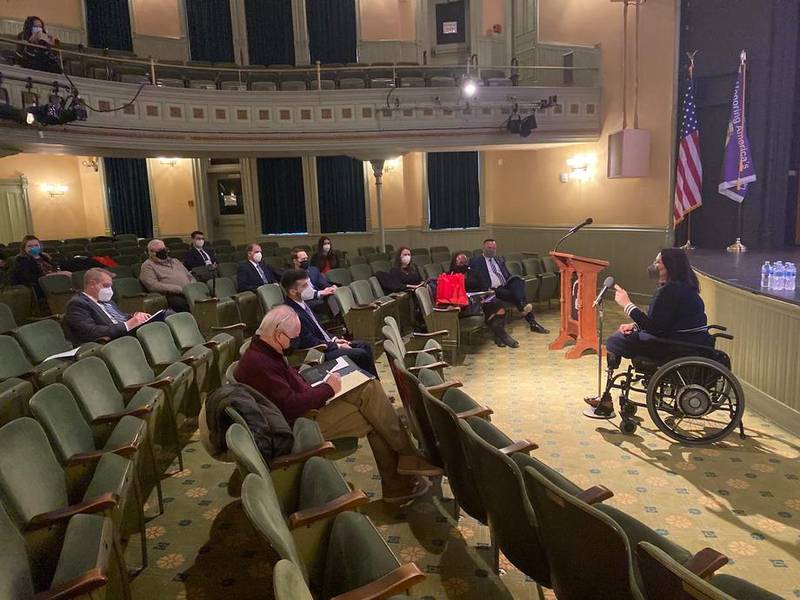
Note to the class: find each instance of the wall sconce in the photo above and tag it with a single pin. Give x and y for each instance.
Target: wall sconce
(54, 189)
(582, 167)
(91, 163)
(168, 161)
(391, 164)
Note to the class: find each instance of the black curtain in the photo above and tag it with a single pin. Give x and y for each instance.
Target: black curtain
(281, 195)
(340, 187)
(453, 190)
(108, 24)
(210, 30)
(720, 29)
(128, 196)
(270, 34)
(331, 30)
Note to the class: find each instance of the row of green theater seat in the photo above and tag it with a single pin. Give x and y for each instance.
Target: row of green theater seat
(560, 536)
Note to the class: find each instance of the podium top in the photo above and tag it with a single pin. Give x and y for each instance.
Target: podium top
(567, 258)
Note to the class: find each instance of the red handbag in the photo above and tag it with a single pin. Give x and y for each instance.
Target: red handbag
(451, 289)
(106, 260)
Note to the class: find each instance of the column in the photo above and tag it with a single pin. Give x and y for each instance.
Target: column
(377, 171)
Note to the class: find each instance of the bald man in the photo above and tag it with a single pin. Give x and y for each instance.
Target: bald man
(165, 275)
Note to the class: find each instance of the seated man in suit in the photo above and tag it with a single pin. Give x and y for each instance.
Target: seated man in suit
(319, 294)
(295, 283)
(165, 275)
(253, 273)
(91, 314)
(493, 274)
(363, 411)
(200, 255)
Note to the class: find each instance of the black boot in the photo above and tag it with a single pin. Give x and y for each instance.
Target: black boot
(536, 327)
(501, 337)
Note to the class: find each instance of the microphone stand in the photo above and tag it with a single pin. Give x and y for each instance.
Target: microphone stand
(558, 243)
(600, 314)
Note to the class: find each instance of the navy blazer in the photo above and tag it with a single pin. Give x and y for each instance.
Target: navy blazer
(310, 333)
(480, 270)
(194, 259)
(318, 280)
(84, 321)
(248, 279)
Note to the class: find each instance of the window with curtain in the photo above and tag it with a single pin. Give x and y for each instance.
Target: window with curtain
(210, 30)
(128, 196)
(282, 195)
(453, 190)
(331, 30)
(340, 188)
(108, 24)
(270, 34)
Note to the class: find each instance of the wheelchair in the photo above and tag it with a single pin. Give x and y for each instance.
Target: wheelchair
(691, 395)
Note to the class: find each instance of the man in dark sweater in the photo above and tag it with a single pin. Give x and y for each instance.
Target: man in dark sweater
(363, 411)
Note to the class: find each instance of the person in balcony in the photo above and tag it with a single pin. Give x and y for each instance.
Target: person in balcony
(326, 258)
(40, 55)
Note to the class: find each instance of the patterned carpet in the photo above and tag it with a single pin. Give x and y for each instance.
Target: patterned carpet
(741, 497)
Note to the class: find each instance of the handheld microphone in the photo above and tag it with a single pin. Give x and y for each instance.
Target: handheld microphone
(607, 285)
(588, 221)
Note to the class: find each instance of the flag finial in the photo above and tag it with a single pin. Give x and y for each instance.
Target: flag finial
(743, 56)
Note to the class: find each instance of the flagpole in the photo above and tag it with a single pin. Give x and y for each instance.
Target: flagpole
(738, 247)
(688, 244)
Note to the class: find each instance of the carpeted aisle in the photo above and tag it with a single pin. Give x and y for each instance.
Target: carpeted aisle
(741, 497)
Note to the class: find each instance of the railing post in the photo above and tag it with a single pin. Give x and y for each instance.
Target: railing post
(319, 77)
(152, 70)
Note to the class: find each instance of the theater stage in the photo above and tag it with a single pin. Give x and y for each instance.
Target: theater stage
(766, 324)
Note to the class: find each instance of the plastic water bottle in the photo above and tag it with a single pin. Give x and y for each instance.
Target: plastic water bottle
(791, 277)
(765, 272)
(778, 274)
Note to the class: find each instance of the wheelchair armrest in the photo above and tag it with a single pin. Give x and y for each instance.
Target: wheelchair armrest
(687, 345)
(724, 336)
(720, 327)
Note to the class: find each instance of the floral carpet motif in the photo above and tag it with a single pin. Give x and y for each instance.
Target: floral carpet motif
(741, 497)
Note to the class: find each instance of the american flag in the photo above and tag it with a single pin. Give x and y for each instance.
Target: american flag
(689, 176)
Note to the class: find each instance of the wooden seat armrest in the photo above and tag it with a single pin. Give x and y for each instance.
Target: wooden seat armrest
(212, 344)
(228, 327)
(394, 582)
(93, 505)
(348, 501)
(520, 446)
(397, 294)
(446, 309)
(102, 340)
(595, 494)
(431, 335)
(190, 360)
(156, 383)
(206, 300)
(436, 390)
(429, 351)
(88, 457)
(435, 365)
(75, 587)
(56, 317)
(136, 295)
(290, 459)
(319, 347)
(478, 411)
(704, 563)
(141, 411)
(369, 307)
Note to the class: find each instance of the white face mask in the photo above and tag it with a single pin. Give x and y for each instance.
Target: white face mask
(326, 248)
(405, 259)
(307, 293)
(199, 243)
(105, 294)
(257, 257)
(36, 30)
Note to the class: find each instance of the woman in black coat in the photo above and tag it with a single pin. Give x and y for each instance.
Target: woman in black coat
(31, 263)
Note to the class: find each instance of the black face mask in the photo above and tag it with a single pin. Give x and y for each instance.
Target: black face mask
(162, 254)
(460, 269)
(304, 264)
(652, 271)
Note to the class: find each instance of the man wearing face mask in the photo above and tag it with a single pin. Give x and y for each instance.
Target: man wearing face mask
(91, 314)
(493, 274)
(364, 411)
(318, 295)
(200, 254)
(253, 272)
(165, 275)
(295, 283)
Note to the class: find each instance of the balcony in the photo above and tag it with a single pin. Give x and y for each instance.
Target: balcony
(236, 111)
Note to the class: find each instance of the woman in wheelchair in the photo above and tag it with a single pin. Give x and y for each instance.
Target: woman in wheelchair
(676, 313)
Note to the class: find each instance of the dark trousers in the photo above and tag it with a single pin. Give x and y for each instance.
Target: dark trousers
(359, 352)
(514, 292)
(178, 302)
(641, 343)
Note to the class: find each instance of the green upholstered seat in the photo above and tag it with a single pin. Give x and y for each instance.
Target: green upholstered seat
(532, 282)
(270, 295)
(71, 438)
(19, 298)
(15, 363)
(161, 352)
(340, 276)
(459, 330)
(380, 265)
(599, 538)
(548, 282)
(363, 322)
(360, 271)
(132, 297)
(7, 320)
(288, 582)
(14, 396)
(213, 314)
(249, 309)
(45, 337)
(35, 503)
(58, 290)
(664, 578)
(85, 563)
(187, 335)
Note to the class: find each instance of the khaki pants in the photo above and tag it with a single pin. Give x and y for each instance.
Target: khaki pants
(366, 411)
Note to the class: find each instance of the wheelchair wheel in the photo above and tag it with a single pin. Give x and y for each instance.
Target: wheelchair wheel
(695, 400)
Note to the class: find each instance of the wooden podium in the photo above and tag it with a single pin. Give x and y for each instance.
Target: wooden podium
(578, 291)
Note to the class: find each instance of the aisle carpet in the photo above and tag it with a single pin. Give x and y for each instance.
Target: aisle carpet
(741, 497)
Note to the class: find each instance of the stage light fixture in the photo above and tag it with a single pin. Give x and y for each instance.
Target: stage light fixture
(469, 87)
(527, 125)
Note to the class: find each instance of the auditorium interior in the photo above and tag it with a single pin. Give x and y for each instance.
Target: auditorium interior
(583, 136)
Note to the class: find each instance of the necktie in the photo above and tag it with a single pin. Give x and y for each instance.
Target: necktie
(311, 314)
(496, 271)
(206, 257)
(114, 312)
(261, 273)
